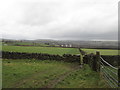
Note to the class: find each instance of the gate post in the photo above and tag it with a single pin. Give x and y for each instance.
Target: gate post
(98, 60)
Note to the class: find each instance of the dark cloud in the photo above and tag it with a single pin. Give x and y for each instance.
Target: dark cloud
(110, 35)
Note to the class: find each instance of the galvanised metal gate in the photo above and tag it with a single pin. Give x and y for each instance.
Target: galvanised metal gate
(109, 73)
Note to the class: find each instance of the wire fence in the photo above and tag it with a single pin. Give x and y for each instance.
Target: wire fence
(109, 73)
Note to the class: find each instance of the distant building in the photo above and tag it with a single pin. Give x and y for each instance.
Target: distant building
(70, 45)
(62, 45)
(66, 45)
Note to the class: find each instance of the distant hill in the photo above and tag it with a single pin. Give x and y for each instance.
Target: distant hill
(74, 43)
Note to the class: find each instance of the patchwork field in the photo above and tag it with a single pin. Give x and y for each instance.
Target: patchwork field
(102, 51)
(57, 50)
(27, 73)
(48, 50)
(48, 74)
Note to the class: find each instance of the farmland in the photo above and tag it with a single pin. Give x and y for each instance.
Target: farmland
(48, 50)
(36, 74)
(102, 51)
(56, 50)
(49, 73)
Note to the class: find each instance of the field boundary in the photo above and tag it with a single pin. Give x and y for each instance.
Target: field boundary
(41, 56)
(108, 74)
(106, 70)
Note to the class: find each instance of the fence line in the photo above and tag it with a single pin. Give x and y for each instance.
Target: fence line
(108, 82)
(111, 81)
(108, 69)
(108, 63)
(97, 63)
(108, 74)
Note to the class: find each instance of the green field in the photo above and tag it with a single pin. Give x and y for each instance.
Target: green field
(24, 73)
(56, 50)
(102, 51)
(48, 50)
(48, 74)
(84, 78)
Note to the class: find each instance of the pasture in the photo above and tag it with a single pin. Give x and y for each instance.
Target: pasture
(102, 51)
(48, 50)
(33, 73)
(48, 74)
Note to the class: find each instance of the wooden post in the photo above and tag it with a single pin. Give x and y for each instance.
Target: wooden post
(98, 60)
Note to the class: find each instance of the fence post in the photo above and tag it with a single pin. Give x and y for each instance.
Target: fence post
(98, 60)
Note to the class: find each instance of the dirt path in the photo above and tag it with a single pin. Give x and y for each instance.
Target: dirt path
(51, 83)
(61, 77)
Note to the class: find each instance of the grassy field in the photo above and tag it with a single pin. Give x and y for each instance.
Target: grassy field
(102, 51)
(48, 50)
(48, 74)
(57, 50)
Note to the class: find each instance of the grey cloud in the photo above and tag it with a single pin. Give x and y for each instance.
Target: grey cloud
(111, 35)
(74, 19)
(40, 13)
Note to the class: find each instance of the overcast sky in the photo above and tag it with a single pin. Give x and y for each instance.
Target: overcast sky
(59, 19)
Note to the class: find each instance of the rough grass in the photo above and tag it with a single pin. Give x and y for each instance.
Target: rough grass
(32, 73)
(102, 51)
(39, 74)
(83, 78)
(48, 50)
